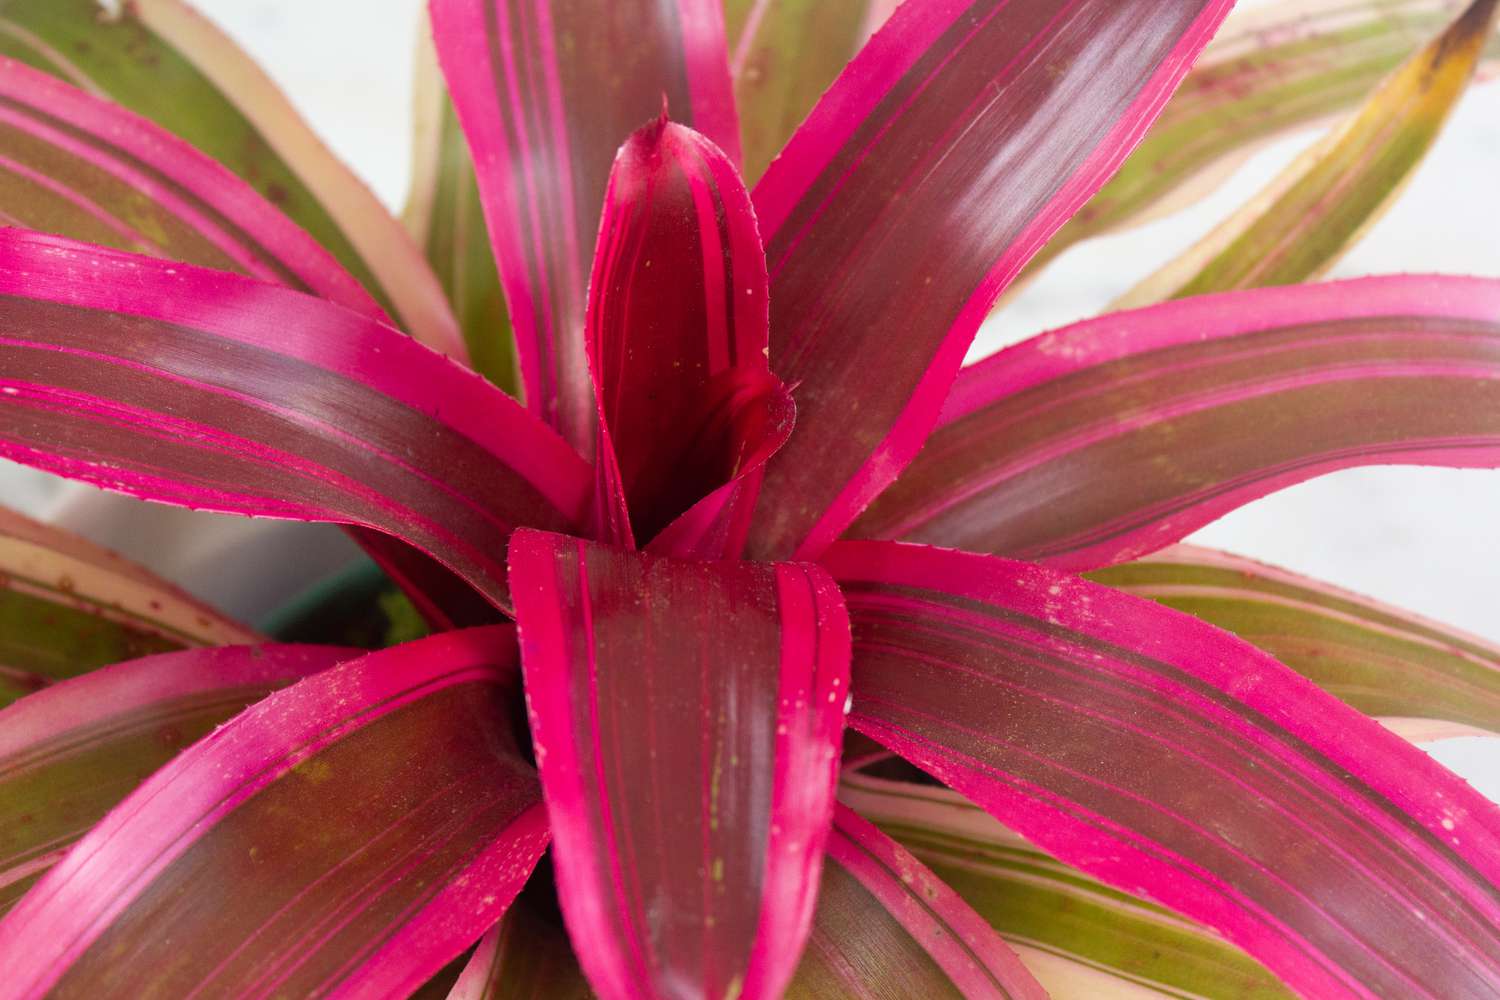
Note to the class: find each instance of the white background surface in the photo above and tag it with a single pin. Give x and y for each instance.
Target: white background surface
(1425, 539)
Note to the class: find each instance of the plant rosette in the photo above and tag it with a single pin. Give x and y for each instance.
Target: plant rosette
(684, 475)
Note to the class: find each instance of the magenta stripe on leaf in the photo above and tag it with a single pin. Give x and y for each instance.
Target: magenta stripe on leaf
(1173, 760)
(92, 170)
(71, 752)
(968, 950)
(954, 144)
(1114, 437)
(677, 338)
(885, 927)
(686, 719)
(1378, 659)
(546, 93)
(214, 391)
(372, 822)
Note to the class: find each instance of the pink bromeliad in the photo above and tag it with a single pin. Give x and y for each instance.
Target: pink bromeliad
(755, 616)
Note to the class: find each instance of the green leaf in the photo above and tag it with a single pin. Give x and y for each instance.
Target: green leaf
(445, 216)
(1380, 660)
(784, 54)
(1271, 72)
(68, 607)
(1300, 224)
(163, 60)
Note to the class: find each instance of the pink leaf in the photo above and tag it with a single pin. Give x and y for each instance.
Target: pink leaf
(367, 824)
(686, 718)
(213, 391)
(1173, 760)
(953, 145)
(1109, 439)
(546, 92)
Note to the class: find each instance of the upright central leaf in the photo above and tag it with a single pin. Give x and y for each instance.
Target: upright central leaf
(955, 143)
(677, 333)
(686, 718)
(546, 91)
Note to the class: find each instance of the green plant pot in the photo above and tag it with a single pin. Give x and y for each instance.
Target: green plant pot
(355, 606)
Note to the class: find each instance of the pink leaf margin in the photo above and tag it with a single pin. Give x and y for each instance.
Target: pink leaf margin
(973, 955)
(893, 50)
(812, 704)
(1467, 824)
(55, 923)
(200, 175)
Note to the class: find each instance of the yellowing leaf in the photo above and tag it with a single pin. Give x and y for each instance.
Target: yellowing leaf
(1299, 225)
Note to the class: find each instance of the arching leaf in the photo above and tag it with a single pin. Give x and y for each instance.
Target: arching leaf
(214, 391)
(164, 60)
(1272, 70)
(1303, 221)
(82, 167)
(71, 753)
(1172, 760)
(1118, 436)
(372, 821)
(953, 145)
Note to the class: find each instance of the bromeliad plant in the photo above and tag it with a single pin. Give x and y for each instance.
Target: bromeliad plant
(751, 496)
